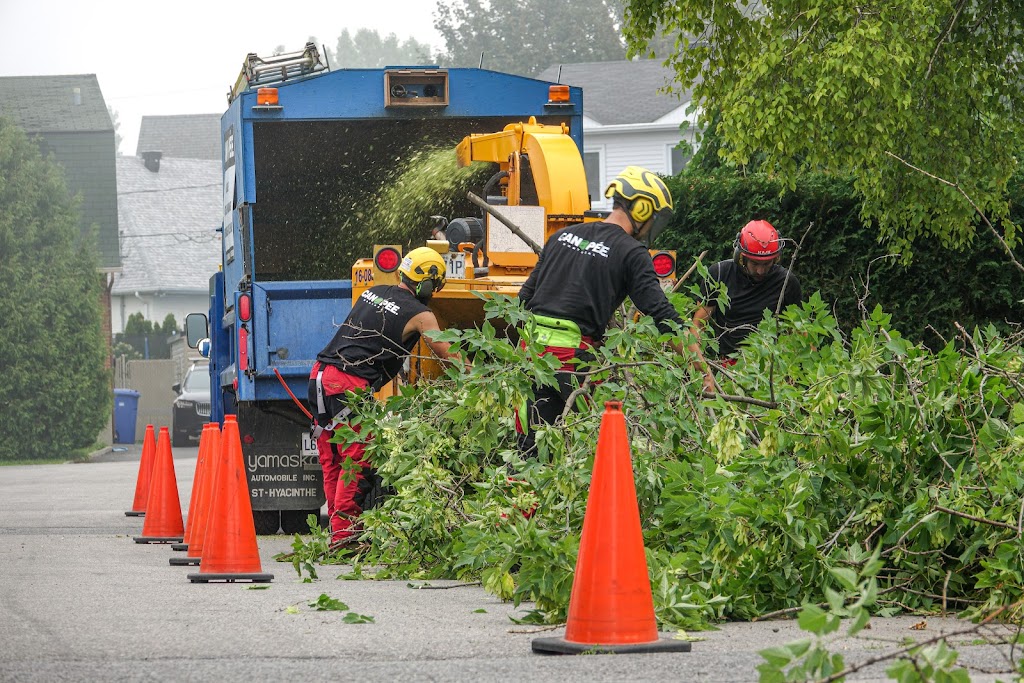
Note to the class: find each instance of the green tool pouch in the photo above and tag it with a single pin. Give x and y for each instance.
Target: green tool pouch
(555, 332)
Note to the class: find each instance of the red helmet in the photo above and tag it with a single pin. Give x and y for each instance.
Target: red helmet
(758, 241)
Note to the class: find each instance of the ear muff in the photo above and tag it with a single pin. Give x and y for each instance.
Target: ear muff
(424, 288)
(642, 210)
(736, 248)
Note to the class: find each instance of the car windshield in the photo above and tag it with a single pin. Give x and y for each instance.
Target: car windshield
(197, 381)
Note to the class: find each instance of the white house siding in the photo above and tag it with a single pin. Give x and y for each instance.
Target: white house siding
(156, 307)
(647, 145)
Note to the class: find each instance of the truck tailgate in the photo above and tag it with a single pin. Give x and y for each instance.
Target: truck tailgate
(301, 317)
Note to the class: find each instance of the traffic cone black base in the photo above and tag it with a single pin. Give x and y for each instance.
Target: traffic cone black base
(133, 513)
(183, 561)
(230, 578)
(561, 646)
(179, 546)
(158, 539)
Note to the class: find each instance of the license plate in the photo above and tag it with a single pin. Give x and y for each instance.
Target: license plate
(456, 266)
(308, 445)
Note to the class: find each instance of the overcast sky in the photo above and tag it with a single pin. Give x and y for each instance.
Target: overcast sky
(180, 56)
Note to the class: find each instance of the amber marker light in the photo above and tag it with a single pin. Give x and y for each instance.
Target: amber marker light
(266, 97)
(558, 93)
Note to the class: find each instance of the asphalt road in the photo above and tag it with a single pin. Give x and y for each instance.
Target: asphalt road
(80, 601)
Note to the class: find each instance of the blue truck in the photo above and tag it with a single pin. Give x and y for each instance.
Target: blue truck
(305, 148)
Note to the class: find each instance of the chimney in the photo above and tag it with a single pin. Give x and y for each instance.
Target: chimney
(152, 160)
(76, 96)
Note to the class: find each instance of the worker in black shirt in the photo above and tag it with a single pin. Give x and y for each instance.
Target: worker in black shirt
(367, 351)
(755, 282)
(583, 274)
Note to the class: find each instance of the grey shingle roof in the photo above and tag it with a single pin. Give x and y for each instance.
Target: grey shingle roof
(188, 136)
(620, 92)
(46, 104)
(168, 224)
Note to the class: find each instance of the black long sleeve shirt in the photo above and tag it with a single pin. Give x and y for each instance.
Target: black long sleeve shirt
(587, 270)
(748, 301)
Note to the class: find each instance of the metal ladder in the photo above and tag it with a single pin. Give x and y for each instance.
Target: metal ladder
(258, 71)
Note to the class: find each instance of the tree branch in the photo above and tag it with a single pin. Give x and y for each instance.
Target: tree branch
(943, 37)
(841, 675)
(957, 513)
(995, 233)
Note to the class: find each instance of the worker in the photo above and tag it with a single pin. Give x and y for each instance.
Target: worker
(755, 282)
(583, 274)
(367, 351)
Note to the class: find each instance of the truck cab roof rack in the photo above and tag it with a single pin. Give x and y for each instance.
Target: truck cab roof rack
(258, 71)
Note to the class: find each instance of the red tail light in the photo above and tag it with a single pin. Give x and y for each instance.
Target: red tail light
(243, 349)
(664, 264)
(245, 308)
(387, 259)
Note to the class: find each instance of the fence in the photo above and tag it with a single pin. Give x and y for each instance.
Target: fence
(153, 380)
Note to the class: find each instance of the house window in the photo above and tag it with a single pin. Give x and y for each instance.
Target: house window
(592, 167)
(679, 157)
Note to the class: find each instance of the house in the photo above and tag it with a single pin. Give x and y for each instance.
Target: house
(628, 119)
(169, 200)
(185, 136)
(170, 215)
(68, 118)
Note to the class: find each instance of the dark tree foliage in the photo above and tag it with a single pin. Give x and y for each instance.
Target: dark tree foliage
(54, 389)
(841, 256)
(528, 36)
(145, 339)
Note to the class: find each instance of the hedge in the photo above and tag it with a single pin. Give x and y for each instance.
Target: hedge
(927, 298)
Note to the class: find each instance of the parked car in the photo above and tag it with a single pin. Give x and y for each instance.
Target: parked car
(191, 408)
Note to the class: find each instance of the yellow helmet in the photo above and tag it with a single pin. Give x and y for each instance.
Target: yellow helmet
(644, 196)
(425, 270)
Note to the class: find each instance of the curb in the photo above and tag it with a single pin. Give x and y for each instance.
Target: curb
(96, 454)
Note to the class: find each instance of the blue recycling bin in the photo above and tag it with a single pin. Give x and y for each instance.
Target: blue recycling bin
(126, 407)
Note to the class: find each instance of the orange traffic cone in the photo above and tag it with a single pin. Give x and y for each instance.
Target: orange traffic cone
(230, 552)
(205, 497)
(611, 609)
(145, 474)
(163, 509)
(197, 478)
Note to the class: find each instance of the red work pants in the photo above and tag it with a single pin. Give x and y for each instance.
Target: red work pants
(344, 501)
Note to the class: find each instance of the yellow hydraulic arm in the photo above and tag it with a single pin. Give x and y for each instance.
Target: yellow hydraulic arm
(555, 161)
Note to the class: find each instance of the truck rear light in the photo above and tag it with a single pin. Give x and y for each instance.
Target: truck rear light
(664, 264)
(387, 259)
(243, 349)
(558, 93)
(266, 97)
(245, 308)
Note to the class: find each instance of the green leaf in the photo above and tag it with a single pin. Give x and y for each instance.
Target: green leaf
(847, 578)
(353, 618)
(327, 603)
(813, 619)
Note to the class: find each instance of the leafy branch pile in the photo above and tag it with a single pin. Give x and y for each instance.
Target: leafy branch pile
(822, 451)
